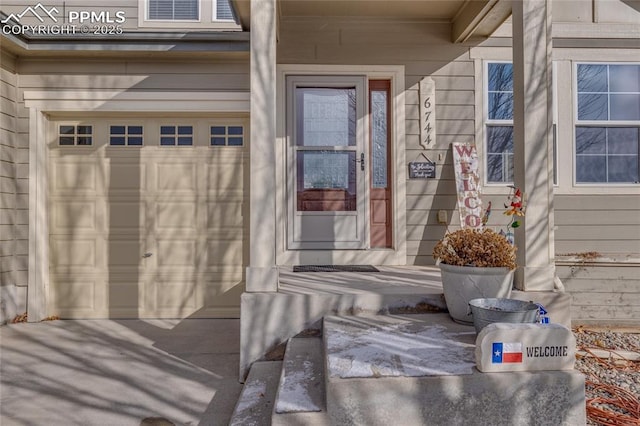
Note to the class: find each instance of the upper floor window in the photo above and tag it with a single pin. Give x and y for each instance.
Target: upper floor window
(223, 11)
(499, 122)
(187, 10)
(607, 130)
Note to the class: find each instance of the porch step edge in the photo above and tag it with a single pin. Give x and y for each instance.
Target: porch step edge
(257, 399)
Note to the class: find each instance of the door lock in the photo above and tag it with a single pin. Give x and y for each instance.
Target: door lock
(361, 161)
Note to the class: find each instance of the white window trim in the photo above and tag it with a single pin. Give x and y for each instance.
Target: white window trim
(603, 186)
(395, 256)
(207, 19)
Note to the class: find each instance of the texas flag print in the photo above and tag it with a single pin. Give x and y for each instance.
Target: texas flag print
(506, 352)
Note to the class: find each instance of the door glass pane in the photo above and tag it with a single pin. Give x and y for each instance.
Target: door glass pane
(326, 116)
(326, 181)
(379, 137)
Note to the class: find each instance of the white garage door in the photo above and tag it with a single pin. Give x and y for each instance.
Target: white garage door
(147, 217)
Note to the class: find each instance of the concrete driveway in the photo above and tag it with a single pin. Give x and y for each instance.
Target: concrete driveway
(118, 373)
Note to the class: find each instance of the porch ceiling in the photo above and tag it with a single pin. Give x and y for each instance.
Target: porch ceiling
(468, 18)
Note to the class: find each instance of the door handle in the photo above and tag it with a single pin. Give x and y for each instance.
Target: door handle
(361, 161)
(144, 256)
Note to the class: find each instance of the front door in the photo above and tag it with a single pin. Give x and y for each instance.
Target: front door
(326, 163)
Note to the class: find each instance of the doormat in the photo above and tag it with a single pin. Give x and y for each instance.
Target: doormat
(335, 268)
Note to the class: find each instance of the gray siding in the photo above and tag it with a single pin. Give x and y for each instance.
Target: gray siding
(13, 228)
(602, 294)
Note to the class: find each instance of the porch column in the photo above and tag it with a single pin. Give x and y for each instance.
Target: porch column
(262, 273)
(533, 143)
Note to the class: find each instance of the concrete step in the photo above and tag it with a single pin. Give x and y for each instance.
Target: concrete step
(301, 392)
(257, 399)
(420, 370)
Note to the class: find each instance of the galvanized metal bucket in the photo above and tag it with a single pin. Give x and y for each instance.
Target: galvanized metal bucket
(486, 311)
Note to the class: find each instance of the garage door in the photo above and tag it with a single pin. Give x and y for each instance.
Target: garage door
(147, 217)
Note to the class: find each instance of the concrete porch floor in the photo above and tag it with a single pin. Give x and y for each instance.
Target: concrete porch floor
(269, 319)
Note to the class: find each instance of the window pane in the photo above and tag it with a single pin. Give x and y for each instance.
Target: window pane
(67, 140)
(185, 140)
(625, 107)
(592, 78)
(223, 10)
(235, 141)
(326, 181)
(624, 78)
(500, 77)
(185, 130)
(117, 140)
(499, 153)
(167, 141)
(84, 140)
(217, 130)
(117, 130)
(135, 130)
(135, 140)
(591, 168)
(167, 130)
(217, 141)
(235, 130)
(590, 140)
(326, 117)
(592, 107)
(379, 132)
(67, 130)
(84, 130)
(501, 106)
(623, 140)
(623, 168)
(173, 9)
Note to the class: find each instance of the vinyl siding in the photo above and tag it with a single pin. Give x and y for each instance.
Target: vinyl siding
(13, 228)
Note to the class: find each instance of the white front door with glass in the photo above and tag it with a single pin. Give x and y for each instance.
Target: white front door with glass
(326, 155)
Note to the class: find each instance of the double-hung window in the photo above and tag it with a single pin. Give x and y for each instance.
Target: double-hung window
(499, 122)
(607, 131)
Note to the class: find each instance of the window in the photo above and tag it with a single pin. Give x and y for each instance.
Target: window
(222, 11)
(75, 135)
(182, 10)
(125, 135)
(227, 135)
(607, 129)
(499, 122)
(176, 135)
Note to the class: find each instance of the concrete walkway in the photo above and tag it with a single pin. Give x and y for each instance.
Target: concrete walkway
(118, 373)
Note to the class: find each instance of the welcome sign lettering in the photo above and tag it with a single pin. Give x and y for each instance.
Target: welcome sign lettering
(465, 164)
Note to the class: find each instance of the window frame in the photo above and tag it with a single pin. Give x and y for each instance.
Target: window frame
(76, 134)
(148, 19)
(606, 124)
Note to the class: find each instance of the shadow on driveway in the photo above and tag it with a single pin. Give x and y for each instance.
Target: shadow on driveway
(103, 372)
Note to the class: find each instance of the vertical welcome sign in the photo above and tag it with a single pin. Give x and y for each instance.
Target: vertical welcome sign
(465, 164)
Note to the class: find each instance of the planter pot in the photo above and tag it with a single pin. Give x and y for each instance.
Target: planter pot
(464, 283)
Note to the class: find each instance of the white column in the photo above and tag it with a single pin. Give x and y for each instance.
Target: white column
(533, 144)
(262, 273)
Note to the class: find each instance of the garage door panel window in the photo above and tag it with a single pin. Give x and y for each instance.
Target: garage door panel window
(120, 135)
(176, 135)
(607, 132)
(227, 136)
(74, 135)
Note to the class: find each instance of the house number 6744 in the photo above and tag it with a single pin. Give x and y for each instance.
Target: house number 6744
(427, 112)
